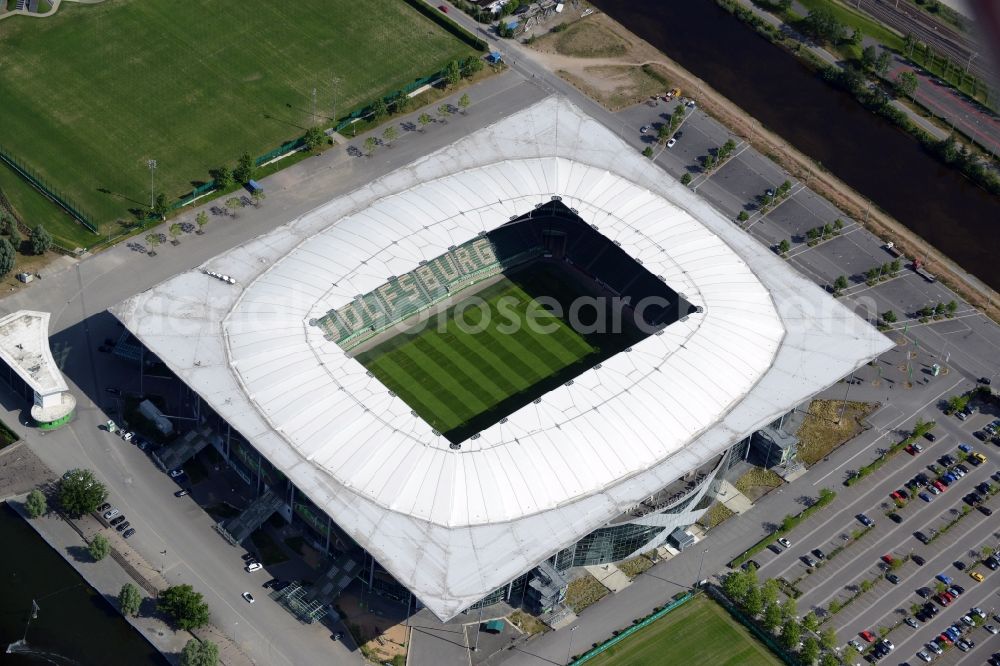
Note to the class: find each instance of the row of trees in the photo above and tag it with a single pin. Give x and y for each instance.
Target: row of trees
(876, 274)
(390, 134)
(939, 310)
(761, 602)
(827, 231)
(722, 153)
(39, 242)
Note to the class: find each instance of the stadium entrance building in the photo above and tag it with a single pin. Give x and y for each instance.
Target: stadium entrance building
(31, 370)
(372, 371)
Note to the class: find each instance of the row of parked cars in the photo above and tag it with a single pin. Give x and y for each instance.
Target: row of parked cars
(957, 634)
(115, 518)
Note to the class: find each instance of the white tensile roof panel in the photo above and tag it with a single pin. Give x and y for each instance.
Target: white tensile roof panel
(455, 525)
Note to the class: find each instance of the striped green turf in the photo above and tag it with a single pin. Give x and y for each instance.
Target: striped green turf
(449, 374)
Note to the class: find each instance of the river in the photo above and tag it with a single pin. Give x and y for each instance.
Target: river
(874, 157)
(74, 624)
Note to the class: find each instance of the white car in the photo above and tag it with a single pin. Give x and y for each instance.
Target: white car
(128, 435)
(248, 597)
(785, 542)
(671, 143)
(110, 513)
(991, 628)
(174, 473)
(253, 566)
(924, 656)
(856, 645)
(643, 129)
(934, 647)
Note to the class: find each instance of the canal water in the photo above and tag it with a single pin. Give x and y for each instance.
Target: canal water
(74, 624)
(877, 159)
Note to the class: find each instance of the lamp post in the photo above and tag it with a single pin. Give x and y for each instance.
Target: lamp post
(569, 650)
(969, 64)
(700, 566)
(152, 171)
(479, 626)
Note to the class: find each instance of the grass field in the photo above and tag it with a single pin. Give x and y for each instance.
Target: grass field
(699, 632)
(97, 90)
(455, 370)
(33, 208)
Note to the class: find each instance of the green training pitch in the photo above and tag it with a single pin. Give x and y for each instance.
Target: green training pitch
(461, 374)
(699, 632)
(93, 92)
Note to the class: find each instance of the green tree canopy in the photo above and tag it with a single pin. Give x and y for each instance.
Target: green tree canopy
(6, 256)
(823, 26)
(464, 102)
(199, 653)
(380, 110)
(186, 607)
(390, 134)
(453, 74)
(35, 504)
(81, 493)
(840, 283)
(686, 178)
(40, 240)
(906, 84)
(810, 650)
(245, 168)
(201, 219)
(784, 246)
(223, 177)
(772, 617)
(314, 137)
(828, 638)
(130, 599)
(424, 119)
(99, 547)
(810, 622)
(371, 143)
(791, 633)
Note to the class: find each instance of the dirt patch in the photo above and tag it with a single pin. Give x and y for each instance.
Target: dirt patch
(590, 39)
(635, 566)
(529, 624)
(584, 591)
(716, 514)
(381, 639)
(824, 429)
(757, 482)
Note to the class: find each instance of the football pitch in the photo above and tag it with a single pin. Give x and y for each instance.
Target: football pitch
(469, 367)
(95, 91)
(699, 632)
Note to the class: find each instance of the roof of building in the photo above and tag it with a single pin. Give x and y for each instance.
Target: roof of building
(24, 346)
(454, 525)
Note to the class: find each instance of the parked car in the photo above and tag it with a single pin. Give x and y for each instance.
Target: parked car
(750, 564)
(867, 635)
(865, 520)
(911, 622)
(124, 526)
(930, 437)
(248, 597)
(180, 493)
(991, 628)
(111, 513)
(671, 143)
(129, 532)
(253, 566)
(923, 656)
(985, 510)
(856, 645)
(643, 129)
(176, 473)
(957, 590)
(934, 647)
(921, 537)
(892, 578)
(925, 497)
(117, 520)
(965, 447)
(810, 562)
(958, 564)
(784, 542)
(104, 507)
(976, 576)
(919, 561)
(818, 553)
(924, 592)
(944, 578)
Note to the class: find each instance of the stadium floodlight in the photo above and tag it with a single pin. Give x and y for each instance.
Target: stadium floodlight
(152, 170)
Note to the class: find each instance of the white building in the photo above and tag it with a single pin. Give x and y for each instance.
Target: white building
(24, 347)
(593, 471)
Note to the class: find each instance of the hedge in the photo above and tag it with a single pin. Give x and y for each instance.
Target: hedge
(788, 524)
(448, 24)
(884, 458)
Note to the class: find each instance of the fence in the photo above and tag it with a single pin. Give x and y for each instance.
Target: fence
(631, 630)
(436, 15)
(39, 184)
(25, 230)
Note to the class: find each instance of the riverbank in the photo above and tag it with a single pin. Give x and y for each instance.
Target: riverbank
(770, 143)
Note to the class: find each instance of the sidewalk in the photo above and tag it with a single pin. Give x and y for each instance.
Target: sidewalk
(110, 574)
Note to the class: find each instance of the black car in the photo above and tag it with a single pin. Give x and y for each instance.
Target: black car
(896, 518)
(117, 519)
(985, 381)
(981, 436)
(124, 526)
(983, 488)
(865, 520)
(892, 578)
(921, 537)
(248, 556)
(930, 437)
(923, 479)
(919, 561)
(104, 507)
(958, 588)
(985, 510)
(750, 564)
(912, 484)
(270, 582)
(819, 554)
(924, 592)
(971, 499)
(962, 468)
(992, 563)
(129, 532)
(958, 564)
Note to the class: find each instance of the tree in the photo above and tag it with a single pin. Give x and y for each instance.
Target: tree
(772, 617)
(868, 58)
(939, 310)
(662, 133)
(80, 492)
(201, 219)
(686, 178)
(471, 65)
(810, 622)
(810, 650)
(370, 144)
(444, 110)
(314, 138)
(769, 591)
(788, 609)
(839, 284)
(708, 161)
(232, 203)
(736, 586)
(784, 246)
(453, 73)
(175, 231)
(889, 317)
(828, 638)
(743, 216)
(39, 239)
(153, 240)
(130, 599)
(791, 632)
(223, 178)
(951, 307)
(753, 602)
(905, 84)
(865, 585)
(35, 504)
(186, 607)
(401, 102)
(257, 197)
(894, 266)
(390, 134)
(14, 236)
(245, 168)
(881, 66)
(379, 110)
(823, 26)
(987, 552)
(464, 102)
(838, 224)
(199, 653)
(424, 119)
(160, 206)
(829, 659)
(647, 152)
(99, 547)
(857, 37)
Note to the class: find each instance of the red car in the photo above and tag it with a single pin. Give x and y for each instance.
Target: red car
(896, 496)
(940, 486)
(944, 638)
(887, 559)
(944, 598)
(868, 636)
(443, 8)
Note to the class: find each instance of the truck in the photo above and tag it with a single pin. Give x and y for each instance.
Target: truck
(890, 247)
(918, 268)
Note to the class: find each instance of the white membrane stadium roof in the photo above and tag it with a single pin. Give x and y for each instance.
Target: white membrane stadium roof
(24, 346)
(455, 525)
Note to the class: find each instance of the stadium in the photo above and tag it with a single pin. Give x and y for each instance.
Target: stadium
(525, 352)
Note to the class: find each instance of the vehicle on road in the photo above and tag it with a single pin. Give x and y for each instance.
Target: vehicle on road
(180, 493)
(129, 532)
(248, 597)
(785, 542)
(253, 566)
(671, 143)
